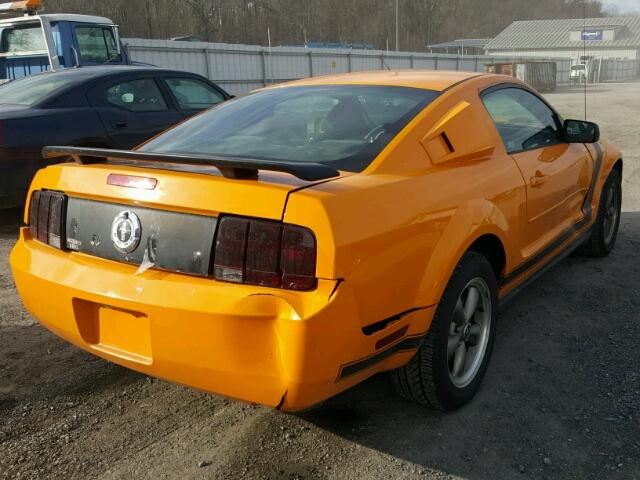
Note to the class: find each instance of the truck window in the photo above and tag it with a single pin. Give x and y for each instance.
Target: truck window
(23, 39)
(97, 44)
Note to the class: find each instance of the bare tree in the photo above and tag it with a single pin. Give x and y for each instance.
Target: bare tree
(422, 22)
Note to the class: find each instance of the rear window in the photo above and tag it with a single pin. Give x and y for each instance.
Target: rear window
(31, 90)
(344, 126)
(23, 39)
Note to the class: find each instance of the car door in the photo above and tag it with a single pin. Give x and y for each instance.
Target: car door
(193, 95)
(557, 174)
(133, 109)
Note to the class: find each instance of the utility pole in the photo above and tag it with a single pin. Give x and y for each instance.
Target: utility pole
(397, 29)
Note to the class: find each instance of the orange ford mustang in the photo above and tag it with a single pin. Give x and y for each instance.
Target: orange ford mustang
(291, 243)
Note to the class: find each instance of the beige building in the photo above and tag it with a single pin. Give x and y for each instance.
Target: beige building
(605, 38)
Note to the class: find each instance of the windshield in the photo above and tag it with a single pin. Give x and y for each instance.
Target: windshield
(32, 90)
(345, 126)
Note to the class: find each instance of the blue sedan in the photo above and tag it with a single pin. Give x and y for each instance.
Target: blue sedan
(107, 107)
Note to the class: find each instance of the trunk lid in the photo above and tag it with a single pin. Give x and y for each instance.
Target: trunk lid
(170, 222)
(190, 189)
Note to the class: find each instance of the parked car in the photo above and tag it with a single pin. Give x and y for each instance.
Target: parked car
(291, 243)
(109, 107)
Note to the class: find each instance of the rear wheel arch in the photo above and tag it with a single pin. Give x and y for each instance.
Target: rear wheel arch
(492, 248)
(486, 232)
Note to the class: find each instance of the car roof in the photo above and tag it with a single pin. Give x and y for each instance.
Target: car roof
(104, 71)
(438, 80)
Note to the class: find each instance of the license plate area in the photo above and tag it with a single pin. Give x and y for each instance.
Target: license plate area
(167, 240)
(120, 333)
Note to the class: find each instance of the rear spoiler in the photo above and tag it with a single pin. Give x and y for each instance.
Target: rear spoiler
(239, 168)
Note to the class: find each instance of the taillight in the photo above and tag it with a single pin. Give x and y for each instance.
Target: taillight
(263, 254)
(298, 262)
(266, 253)
(46, 217)
(231, 244)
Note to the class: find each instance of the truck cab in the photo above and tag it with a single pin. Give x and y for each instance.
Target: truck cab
(35, 43)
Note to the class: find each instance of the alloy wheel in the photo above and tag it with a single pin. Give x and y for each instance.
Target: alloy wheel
(469, 332)
(611, 213)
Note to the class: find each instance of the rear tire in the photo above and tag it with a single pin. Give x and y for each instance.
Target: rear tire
(447, 370)
(605, 231)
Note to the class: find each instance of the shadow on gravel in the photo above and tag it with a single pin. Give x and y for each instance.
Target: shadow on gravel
(36, 366)
(560, 398)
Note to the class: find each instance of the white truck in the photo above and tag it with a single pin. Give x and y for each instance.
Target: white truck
(33, 43)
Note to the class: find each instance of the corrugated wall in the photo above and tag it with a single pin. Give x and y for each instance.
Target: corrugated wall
(619, 53)
(242, 68)
(619, 70)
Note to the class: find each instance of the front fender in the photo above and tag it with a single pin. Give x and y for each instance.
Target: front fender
(609, 157)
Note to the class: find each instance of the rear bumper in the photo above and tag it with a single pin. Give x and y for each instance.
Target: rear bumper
(283, 349)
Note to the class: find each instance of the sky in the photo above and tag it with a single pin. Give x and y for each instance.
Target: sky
(623, 5)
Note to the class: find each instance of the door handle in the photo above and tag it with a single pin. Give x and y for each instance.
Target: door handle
(538, 179)
(119, 124)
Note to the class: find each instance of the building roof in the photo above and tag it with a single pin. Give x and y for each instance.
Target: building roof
(463, 42)
(550, 34)
(437, 80)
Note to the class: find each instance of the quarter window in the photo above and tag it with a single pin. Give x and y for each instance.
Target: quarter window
(523, 120)
(137, 96)
(193, 94)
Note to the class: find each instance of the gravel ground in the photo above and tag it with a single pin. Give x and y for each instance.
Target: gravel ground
(561, 398)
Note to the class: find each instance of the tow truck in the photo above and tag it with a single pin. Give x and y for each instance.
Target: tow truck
(32, 43)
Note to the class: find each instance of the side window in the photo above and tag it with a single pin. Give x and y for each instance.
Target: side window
(193, 94)
(137, 96)
(97, 44)
(522, 119)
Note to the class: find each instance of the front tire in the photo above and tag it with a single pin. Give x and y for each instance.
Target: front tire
(447, 370)
(605, 231)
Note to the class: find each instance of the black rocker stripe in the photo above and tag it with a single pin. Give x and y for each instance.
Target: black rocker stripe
(597, 165)
(407, 343)
(587, 211)
(546, 267)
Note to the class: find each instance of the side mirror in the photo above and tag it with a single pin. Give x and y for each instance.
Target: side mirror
(578, 131)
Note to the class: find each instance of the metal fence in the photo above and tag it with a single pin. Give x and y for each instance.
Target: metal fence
(242, 68)
(619, 70)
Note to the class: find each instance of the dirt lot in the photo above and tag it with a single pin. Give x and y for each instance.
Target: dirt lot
(561, 398)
